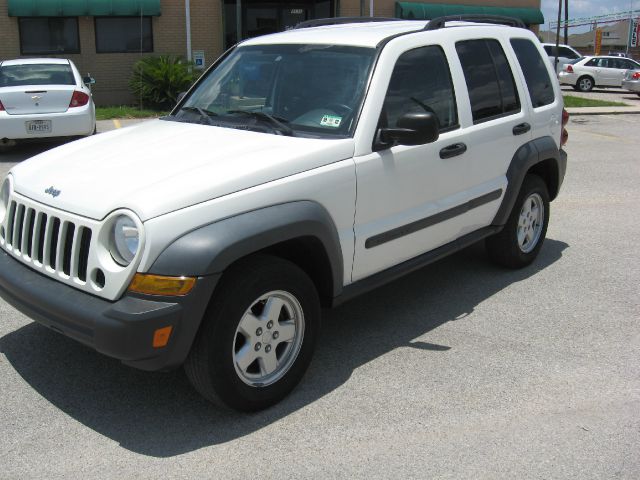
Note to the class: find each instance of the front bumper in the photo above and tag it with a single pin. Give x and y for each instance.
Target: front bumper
(78, 121)
(123, 329)
(632, 85)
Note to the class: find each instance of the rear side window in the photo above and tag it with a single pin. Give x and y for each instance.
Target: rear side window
(568, 53)
(421, 81)
(535, 72)
(492, 90)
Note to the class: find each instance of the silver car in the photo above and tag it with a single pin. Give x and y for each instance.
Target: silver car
(631, 81)
(600, 71)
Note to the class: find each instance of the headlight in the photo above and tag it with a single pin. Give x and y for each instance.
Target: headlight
(125, 240)
(4, 199)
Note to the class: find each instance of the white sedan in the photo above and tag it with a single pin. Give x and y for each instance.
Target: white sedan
(601, 71)
(44, 97)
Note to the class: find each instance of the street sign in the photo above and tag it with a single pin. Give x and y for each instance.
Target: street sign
(198, 59)
(635, 32)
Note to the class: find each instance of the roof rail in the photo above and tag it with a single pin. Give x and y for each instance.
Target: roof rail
(439, 22)
(319, 22)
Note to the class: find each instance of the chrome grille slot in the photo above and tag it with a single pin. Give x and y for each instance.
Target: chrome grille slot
(83, 253)
(17, 227)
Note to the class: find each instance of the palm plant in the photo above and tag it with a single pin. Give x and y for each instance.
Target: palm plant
(157, 81)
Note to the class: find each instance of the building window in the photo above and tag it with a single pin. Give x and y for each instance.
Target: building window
(48, 35)
(124, 35)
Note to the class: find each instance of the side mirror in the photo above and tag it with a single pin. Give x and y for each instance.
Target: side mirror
(89, 80)
(418, 128)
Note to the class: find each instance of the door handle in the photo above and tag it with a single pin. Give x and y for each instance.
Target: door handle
(453, 150)
(522, 128)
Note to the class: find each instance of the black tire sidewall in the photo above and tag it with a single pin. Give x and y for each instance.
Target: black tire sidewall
(585, 78)
(532, 184)
(237, 296)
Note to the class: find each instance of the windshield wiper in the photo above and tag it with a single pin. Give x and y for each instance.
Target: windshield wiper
(276, 123)
(206, 114)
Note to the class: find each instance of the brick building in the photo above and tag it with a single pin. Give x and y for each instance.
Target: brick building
(106, 37)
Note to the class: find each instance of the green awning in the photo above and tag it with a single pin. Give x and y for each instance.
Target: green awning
(427, 11)
(76, 8)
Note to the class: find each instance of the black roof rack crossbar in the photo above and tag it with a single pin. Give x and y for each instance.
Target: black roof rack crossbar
(319, 22)
(439, 22)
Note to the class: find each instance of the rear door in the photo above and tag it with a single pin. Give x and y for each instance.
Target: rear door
(543, 93)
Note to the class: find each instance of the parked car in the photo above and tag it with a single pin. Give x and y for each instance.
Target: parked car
(631, 81)
(566, 54)
(618, 54)
(302, 169)
(590, 72)
(44, 97)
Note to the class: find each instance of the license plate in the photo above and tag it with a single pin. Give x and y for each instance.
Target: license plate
(38, 126)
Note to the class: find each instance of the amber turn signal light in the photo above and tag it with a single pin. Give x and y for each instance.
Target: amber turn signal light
(160, 285)
(161, 337)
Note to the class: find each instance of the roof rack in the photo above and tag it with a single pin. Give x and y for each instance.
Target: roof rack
(319, 22)
(439, 22)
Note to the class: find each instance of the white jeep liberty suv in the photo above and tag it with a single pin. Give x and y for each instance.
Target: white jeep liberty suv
(302, 169)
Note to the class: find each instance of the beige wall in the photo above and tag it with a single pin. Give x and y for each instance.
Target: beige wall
(386, 8)
(113, 70)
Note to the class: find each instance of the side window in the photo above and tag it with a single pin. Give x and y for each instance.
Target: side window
(592, 63)
(421, 81)
(535, 72)
(568, 53)
(492, 89)
(549, 50)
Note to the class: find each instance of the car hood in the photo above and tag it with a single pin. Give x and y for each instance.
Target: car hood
(158, 166)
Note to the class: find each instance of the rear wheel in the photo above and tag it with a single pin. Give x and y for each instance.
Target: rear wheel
(585, 84)
(258, 336)
(519, 242)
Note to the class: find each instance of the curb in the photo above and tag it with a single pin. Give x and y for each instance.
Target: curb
(592, 111)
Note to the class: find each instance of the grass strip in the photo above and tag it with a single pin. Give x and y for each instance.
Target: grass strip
(108, 113)
(573, 102)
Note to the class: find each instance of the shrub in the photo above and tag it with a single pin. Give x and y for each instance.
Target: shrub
(157, 81)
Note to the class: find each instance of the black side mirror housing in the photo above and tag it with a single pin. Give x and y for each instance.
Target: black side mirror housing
(88, 80)
(413, 128)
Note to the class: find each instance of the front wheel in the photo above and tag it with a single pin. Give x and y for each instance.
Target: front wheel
(258, 335)
(519, 242)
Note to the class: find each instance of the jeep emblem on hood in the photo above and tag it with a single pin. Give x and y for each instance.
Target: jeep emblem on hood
(52, 191)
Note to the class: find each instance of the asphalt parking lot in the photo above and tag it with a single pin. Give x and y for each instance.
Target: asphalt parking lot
(460, 371)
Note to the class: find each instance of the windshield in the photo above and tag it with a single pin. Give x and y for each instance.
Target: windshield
(36, 74)
(287, 89)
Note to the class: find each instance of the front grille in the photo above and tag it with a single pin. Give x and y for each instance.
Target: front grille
(47, 241)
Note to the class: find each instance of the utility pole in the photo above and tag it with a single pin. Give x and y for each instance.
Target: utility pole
(555, 63)
(566, 22)
(630, 25)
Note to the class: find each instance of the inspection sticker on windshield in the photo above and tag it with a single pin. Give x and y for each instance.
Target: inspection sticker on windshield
(331, 121)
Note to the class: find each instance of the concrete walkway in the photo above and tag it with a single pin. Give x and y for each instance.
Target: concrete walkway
(603, 110)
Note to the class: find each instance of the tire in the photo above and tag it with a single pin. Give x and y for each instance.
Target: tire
(519, 242)
(585, 84)
(241, 358)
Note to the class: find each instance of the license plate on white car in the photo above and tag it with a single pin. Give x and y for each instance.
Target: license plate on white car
(38, 126)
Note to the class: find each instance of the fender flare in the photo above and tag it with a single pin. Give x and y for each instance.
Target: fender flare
(527, 156)
(210, 249)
